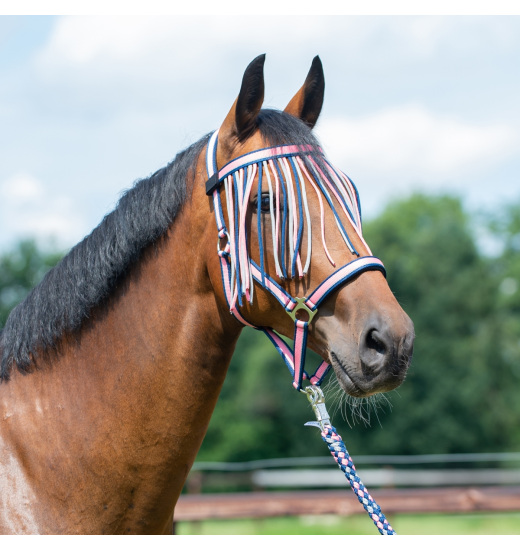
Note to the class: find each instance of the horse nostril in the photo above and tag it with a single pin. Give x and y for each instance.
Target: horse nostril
(384, 353)
(374, 351)
(375, 342)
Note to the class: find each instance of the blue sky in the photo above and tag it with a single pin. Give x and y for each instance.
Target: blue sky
(90, 104)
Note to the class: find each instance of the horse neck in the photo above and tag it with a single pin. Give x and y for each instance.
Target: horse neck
(168, 337)
(141, 383)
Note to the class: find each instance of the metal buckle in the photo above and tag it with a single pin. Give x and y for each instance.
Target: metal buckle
(300, 304)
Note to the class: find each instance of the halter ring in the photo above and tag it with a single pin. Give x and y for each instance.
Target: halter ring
(223, 234)
(300, 304)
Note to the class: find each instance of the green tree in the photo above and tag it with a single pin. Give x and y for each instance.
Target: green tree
(506, 265)
(20, 270)
(460, 394)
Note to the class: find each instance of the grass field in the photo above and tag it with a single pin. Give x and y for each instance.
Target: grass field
(420, 524)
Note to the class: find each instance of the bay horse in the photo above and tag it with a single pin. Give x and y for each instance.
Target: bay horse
(112, 365)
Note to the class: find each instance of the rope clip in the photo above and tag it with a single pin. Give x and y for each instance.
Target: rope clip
(317, 401)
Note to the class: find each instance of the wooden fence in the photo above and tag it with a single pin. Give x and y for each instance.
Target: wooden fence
(344, 503)
(269, 489)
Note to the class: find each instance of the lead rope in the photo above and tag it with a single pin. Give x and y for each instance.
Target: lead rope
(344, 461)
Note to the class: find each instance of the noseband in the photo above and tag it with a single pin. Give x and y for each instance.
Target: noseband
(278, 165)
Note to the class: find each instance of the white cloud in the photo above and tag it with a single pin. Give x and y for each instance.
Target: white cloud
(20, 189)
(28, 211)
(407, 144)
(82, 40)
(130, 39)
(109, 99)
(188, 48)
(148, 45)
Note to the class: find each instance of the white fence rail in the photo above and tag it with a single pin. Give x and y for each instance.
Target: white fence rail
(432, 470)
(385, 477)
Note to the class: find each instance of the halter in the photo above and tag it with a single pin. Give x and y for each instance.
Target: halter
(279, 165)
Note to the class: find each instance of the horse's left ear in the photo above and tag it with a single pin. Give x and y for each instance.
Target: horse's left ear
(240, 122)
(308, 101)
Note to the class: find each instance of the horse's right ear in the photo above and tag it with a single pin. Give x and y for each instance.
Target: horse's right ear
(240, 122)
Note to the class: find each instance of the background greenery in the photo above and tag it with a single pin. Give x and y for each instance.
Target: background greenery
(404, 524)
(457, 275)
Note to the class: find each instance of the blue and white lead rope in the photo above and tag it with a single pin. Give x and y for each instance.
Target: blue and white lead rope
(343, 460)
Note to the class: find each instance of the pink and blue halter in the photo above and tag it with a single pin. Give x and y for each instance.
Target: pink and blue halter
(288, 171)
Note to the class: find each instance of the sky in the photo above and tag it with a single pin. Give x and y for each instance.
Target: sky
(90, 104)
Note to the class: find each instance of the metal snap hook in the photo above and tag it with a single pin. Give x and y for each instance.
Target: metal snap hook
(317, 401)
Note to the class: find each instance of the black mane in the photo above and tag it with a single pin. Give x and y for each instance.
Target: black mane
(88, 275)
(92, 269)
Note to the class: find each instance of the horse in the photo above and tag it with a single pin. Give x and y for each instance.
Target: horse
(112, 365)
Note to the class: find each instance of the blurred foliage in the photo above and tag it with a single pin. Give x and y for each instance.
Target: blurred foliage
(20, 270)
(461, 392)
(507, 268)
(460, 395)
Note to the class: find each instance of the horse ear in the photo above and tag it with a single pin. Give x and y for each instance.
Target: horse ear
(308, 101)
(241, 119)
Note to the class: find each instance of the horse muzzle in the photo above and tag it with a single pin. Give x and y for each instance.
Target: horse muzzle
(379, 362)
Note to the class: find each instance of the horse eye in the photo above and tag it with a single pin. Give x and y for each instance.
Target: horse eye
(265, 203)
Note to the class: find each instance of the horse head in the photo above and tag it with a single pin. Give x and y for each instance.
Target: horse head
(290, 236)
(135, 320)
